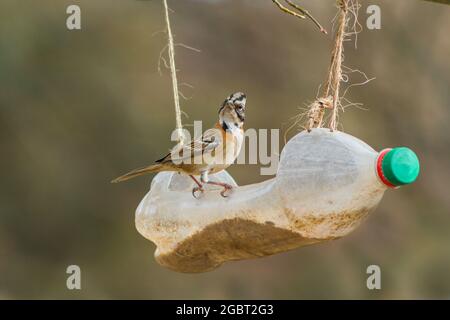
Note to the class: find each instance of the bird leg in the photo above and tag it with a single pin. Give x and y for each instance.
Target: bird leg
(196, 189)
(226, 187)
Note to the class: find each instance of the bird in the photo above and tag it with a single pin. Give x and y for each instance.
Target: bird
(213, 152)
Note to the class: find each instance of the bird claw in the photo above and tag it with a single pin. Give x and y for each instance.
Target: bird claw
(226, 188)
(196, 190)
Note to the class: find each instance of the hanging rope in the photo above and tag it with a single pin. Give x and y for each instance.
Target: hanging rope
(333, 83)
(331, 98)
(331, 95)
(173, 74)
(347, 25)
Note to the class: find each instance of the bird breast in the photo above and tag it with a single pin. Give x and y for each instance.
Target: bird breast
(228, 151)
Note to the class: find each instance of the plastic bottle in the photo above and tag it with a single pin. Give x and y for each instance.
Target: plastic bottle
(326, 184)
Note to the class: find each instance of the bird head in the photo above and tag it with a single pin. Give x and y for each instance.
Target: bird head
(232, 111)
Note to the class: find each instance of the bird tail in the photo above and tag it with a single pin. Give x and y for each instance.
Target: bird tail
(139, 172)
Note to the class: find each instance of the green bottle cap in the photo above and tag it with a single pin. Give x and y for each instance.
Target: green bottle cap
(401, 166)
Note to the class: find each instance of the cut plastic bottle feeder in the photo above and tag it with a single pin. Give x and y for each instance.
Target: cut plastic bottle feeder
(326, 185)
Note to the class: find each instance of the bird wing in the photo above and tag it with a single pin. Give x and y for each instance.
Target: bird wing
(206, 143)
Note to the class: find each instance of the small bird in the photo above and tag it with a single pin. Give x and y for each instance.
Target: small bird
(213, 152)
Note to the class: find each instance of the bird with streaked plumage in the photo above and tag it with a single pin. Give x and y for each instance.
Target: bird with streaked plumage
(213, 152)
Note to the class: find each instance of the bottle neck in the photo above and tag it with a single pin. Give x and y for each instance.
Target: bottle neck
(379, 168)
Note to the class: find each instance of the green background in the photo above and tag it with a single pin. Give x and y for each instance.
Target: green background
(78, 108)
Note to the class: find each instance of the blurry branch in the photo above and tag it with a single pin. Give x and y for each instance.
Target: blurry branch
(440, 1)
(300, 13)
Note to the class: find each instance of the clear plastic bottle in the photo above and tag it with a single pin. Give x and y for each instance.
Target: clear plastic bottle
(326, 184)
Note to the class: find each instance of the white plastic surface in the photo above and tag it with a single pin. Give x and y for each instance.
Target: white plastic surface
(325, 186)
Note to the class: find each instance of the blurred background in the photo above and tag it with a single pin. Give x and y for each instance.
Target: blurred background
(78, 108)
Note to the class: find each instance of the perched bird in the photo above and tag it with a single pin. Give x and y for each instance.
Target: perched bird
(214, 151)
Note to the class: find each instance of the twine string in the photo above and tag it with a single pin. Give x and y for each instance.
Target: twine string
(173, 74)
(333, 83)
